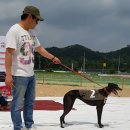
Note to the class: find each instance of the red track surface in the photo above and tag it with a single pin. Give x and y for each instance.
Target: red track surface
(49, 105)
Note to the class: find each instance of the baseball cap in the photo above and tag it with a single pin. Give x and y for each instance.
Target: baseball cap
(34, 11)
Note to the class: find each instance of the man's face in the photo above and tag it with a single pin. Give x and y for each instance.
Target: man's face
(33, 21)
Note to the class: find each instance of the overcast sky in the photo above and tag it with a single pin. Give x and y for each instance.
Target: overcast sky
(100, 25)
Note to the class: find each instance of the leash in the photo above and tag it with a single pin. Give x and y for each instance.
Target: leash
(76, 73)
(80, 74)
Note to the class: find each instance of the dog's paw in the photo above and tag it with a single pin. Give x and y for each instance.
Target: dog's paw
(101, 126)
(62, 126)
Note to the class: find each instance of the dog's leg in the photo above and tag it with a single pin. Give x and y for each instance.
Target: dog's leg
(99, 115)
(68, 104)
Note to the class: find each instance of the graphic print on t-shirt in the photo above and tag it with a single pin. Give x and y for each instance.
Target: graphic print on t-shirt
(26, 53)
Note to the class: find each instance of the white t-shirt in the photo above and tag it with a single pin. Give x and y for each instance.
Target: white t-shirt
(24, 43)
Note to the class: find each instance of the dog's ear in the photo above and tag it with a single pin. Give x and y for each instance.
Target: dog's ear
(113, 85)
(110, 84)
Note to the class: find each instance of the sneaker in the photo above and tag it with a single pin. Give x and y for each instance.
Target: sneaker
(33, 127)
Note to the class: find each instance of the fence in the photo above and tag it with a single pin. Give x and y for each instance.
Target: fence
(71, 79)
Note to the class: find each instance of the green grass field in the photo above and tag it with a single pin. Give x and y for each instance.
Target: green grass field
(73, 79)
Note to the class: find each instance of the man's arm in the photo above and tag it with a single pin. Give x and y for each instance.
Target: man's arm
(8, 66)
(48, 55)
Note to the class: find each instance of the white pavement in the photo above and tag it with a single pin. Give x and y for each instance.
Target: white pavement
(116, 116)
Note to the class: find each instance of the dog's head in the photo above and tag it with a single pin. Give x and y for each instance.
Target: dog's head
(113, 88)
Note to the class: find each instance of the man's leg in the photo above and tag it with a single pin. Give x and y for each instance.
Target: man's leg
(18, 92)
(29, 103)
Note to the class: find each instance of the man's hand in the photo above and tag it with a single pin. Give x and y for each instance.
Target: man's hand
(9, 80)
(56, 60)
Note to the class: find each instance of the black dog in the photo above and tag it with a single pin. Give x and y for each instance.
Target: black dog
(91, 97)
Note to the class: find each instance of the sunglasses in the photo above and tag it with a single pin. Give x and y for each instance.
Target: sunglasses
(34, 17)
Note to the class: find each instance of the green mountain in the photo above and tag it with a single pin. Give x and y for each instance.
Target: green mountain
(93, 60)
(74, 52)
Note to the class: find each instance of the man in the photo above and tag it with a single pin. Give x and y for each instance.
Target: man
(21, 42)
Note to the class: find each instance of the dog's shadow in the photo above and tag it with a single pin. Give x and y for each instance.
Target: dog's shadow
(71, 124)
(83, 123)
